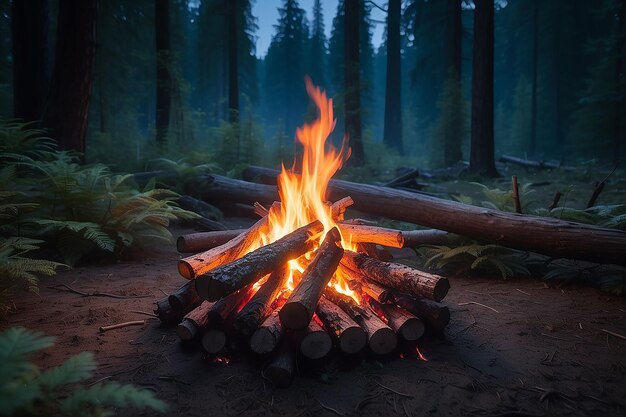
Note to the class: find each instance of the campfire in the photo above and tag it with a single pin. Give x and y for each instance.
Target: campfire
(303, 278)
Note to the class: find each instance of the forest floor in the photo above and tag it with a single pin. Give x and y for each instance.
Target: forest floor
(516, 347)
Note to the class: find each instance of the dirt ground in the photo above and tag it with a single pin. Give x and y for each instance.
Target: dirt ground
(513, 348)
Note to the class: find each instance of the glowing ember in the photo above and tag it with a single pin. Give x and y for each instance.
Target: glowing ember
(419, 354)
(302, 195)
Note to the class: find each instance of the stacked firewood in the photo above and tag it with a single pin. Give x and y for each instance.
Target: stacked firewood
(236, 294)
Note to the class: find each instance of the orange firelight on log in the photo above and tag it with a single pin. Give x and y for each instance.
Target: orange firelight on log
(302, 195)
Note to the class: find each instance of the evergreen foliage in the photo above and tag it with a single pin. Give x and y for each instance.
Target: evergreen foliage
(25, 390)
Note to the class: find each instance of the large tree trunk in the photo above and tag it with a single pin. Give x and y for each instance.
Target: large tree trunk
(619, 75)
(29, 30)
(392, 135)
(482, 146)
(352, 84)
(532, 145)
(163, 70)
(67, 106)
(233, 67)
(453, 136)
(545, 235)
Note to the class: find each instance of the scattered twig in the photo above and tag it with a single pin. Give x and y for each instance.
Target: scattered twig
(259, 210)
(619, 336)
(332, 410)
(172, 379)
(120, 325)
(523, 292)
(104, 378)
(145, 313)
(95, 294)
(516, 201)
(482, 305)
(402, 394)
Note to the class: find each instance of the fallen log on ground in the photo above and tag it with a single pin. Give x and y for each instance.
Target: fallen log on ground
(199, 242)
(350, 336)
(300, 306)
(397, 276)
(549, 236)
(528, 163)
(316, 342)
(413, 238)
(208, 214)
(251, 267)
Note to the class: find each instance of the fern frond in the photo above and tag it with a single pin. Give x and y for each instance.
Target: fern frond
(75, 369)
(112, 393)
(15, 345)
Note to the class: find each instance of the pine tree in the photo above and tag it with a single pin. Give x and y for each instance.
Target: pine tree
(317, 55)
(393, 113)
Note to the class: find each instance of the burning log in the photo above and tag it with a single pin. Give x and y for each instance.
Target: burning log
(195, 322)
(375, 251)
(198, 242)
(372, 234)
(338, 208)
(405, 324)
(280, 370)
(381, 338)
(433, 314)
(300, 306)
(548, 236)
(350, 335)
(185, 298)
(220, 316)
(193, 266)
(316, 343)
(259, 306)
(229, 277)
(265, 339)
(398, 276)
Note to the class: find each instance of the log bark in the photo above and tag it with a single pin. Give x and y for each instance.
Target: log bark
(166, 313)
(372, 234)
(265, 339)
(195, 322)
(185, 298)
(350, 336)
(380, 338)
(260, 305)
(193, 266)
(375, 251)
(415, 238)
(431, 313)
(199, 242)
(281, 368)
(219, 319)
(405, 324)
(316, 342)
(300, 306)
(251, 267)
(549, 236)
(397, 276)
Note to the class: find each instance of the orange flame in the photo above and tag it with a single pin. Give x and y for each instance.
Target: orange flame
(303, 195)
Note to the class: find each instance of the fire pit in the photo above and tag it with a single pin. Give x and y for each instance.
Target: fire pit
(302, 278)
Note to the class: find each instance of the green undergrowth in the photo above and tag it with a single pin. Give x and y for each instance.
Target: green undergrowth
(26, 390)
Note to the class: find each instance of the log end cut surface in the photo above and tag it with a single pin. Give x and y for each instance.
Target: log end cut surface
(214, 341)
(263, 341)
(441, 289)
(352, 340)
(316, 345)
(186, 330)
(412, 329)
(383, 341)
(294, 316)
(185, 270)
